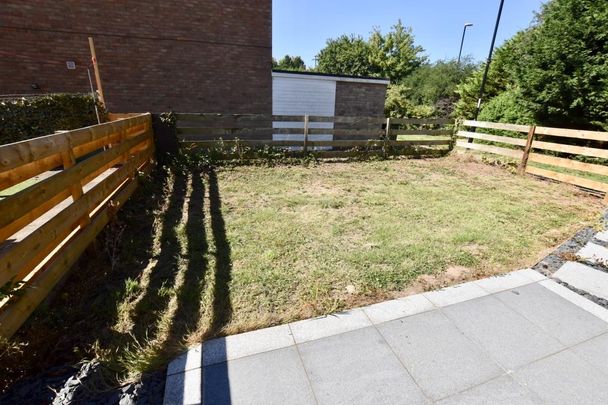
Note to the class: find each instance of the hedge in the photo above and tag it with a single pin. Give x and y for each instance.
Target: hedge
(26, 118)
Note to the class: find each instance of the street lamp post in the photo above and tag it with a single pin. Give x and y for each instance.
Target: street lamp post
(485, 73)
(464, 31)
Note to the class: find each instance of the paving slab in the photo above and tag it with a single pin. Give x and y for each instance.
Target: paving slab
(556, 316)
(184, 388)
(593, 253)
(232, 347)
(190, 360)
(584, 278)
(324, 326)
(507, 336)
(276, 377)
(503, 282)
(395, 309)
(532, 274)
(602, 236)
(521, 338)
(454, 295)
(564, 378)
(439, 357)
(502, 390)
(595, 352)
(578, 300)
(358, 367)
(245, 344)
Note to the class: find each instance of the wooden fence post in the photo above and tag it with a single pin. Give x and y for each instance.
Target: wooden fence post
(68, 159)
(96, 70)
(123, 138)
(305, 149)
(524, 159)
(388, 128)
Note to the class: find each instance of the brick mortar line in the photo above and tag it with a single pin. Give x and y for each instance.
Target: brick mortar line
(131, 36)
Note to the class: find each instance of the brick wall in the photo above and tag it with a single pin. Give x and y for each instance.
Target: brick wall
(360, 99)
(186, 56)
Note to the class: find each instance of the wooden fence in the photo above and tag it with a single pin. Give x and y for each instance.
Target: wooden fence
(59, 191)
(308, 133)
(543, 145)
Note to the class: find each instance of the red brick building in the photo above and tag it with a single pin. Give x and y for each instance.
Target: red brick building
(186, 56)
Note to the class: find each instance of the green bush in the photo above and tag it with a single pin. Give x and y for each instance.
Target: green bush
(398, 104)
(26, 118)
(509, 107)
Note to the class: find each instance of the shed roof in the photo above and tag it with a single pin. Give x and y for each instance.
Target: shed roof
(331, 77)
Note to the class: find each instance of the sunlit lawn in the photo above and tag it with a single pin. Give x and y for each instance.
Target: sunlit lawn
(249, 247)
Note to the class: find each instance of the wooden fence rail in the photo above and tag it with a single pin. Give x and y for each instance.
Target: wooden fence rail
(310, 133)
(533, 148)
(59, 191)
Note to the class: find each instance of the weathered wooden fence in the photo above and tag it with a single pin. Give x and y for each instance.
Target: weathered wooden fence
(543, 145)
(59, 191)
(308, 133)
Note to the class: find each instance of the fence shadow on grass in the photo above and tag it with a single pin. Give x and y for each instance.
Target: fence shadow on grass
(197, 277)
(92, 301)
(215, 382)
(163, 273)
(222, 307)
(188, 296)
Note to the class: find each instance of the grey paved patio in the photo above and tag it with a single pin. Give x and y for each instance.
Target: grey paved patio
(516, 339)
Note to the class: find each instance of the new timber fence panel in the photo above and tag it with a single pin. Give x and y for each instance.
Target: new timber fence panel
(310, 133)
(566, 178)
(553, 153)
(68, 185)
(23, 160)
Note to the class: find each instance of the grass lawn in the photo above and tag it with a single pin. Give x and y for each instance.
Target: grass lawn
(195, 256)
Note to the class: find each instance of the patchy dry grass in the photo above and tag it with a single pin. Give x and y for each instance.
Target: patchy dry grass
(249, 247)
(301, 236)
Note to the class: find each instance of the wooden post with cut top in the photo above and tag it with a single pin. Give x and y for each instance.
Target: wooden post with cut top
(96, 69)
(524, 159)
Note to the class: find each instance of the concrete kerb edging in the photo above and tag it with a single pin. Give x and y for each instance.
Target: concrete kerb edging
(264, 340)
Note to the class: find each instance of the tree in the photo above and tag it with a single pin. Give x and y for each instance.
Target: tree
(557, 69)
(295, 63)
(393, 55)
(398, 104)
(501, 76)
(348, 55)
(434, 84)
(564, 70)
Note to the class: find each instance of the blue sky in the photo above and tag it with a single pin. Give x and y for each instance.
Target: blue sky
(302, 27)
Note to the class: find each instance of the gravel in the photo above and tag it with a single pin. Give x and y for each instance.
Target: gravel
(91, 384)
(567, 252)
